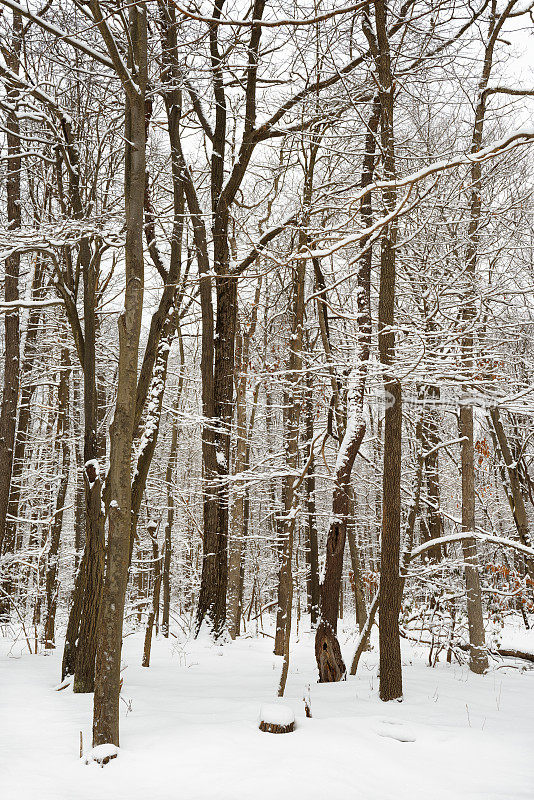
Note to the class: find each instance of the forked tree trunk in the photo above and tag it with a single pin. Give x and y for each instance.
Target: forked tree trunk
(80, 642)
(327, 650)
(352, 428)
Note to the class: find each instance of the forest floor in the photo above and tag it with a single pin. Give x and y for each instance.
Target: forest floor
(189, 728)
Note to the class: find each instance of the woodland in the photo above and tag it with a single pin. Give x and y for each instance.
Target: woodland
(267, 375)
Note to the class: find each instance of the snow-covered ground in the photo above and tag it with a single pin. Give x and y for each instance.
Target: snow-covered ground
(189, 729)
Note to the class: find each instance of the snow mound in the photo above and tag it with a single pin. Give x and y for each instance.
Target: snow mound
(101, 754)
(395, 730)
(276, 714)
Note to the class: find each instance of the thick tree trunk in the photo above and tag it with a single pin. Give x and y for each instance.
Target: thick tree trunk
(108, 657)
(389, 592)
(80, 643)
(413, 512)
(89, 605)
(8, 413)
(214, 579)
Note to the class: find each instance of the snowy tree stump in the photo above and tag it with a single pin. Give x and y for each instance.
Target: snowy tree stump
(101, 754)
(277, 718)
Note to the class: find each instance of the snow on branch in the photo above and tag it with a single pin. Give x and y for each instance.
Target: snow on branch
(275, 23)
(14, 304)
(508, 143)
(483, 537)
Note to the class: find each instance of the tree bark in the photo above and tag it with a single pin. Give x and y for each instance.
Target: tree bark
(169, 472)
(477, 643)
(108, 657)
(154, 609)
(312, 547)
(514, 491)
(292, 408)
(327, 650)
(389, 592)
(8, 413)
(62, 443)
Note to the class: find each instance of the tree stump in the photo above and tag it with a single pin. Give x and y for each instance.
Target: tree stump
(102, 754)
(277, 718)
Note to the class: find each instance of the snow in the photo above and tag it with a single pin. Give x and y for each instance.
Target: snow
(100, 752)
(276, 714)
(189, 727)
(393, 729)
(92, 466)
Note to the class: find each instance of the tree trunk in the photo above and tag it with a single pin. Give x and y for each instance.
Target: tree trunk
(165, 623)
(389, 592)
(431, 445)
(238, 506)
(8, 413)
(477, 643)
(62, 442)
(478, 654)
(513, 489)
(327, 650)
(108, 657)
(413, 512)
(292, 407)
(171, 466)
(12, 540)
(90, 581)
(312, 547)
(154, 609)
(359, 594)
(352, 428)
